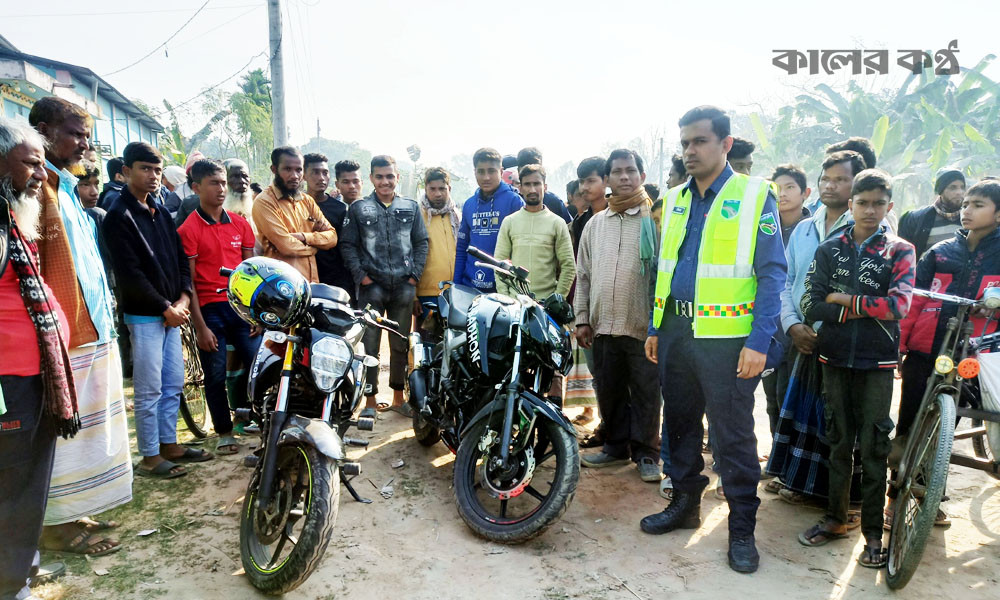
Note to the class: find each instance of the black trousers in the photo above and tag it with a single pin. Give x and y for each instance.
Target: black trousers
(775, 386)
(396, 304)
(698, 377)
(27, 447)
(628, 395)
(916, 369)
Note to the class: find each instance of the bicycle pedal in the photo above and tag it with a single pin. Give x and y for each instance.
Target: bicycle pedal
(350, 441)
(366, 423)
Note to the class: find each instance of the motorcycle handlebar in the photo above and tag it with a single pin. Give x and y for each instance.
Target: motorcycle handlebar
(486, 258)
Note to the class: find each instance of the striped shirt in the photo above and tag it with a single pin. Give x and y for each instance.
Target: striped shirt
(82, 234)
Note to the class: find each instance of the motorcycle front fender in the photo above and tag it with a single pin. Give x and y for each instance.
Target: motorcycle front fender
(265, 373)
(314, 432)
(534, 405)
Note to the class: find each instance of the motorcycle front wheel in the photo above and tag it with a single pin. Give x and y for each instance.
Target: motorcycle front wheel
(282, 543)
(513, 505)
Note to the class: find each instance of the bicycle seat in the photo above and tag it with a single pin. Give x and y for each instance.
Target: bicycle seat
(454, 303)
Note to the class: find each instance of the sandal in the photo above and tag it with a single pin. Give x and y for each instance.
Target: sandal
(403, 409)
(93, 525)
(367, 413)
(227, 445)
(48, 573)
(873, 558)
(582, 419)
(818, 535)
(164, 470)
(382, 405)
(84, 541)
(193, 455)
(792, 497)
(853, 519)
(774, 486)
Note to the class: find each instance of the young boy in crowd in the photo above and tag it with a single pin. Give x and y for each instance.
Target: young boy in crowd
(482, 214)
(155, 283)
(214, 238)
(859, 285)
(88, 187)
(792, 194)
(965, 265)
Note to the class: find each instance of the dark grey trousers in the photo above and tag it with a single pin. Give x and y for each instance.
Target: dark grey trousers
(628, 395)
(396, 304)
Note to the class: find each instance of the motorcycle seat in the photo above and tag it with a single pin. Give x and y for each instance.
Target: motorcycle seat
(329, 292)
(457, 300)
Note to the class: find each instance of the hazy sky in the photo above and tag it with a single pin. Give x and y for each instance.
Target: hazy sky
(567, 76)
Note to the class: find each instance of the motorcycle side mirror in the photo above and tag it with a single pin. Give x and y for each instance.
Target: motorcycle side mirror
(991, 298)
(370, 361)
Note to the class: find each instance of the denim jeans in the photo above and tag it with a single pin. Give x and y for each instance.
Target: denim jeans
(229, 329)
(397, 305)
(158, 381)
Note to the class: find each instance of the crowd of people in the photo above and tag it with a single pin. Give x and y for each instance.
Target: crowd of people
(684, 300)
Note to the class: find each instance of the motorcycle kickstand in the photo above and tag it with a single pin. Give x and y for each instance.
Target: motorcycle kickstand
(350, 488)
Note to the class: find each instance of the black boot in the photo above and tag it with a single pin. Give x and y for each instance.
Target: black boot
(684, 512)
(743, 556)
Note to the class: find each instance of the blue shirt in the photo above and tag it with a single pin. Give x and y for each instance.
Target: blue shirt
(768, 262)
(82, 234)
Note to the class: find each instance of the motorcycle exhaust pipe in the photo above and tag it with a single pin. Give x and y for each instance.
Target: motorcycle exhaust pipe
(418, 389)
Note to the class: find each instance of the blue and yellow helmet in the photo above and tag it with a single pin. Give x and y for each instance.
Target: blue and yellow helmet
(268, 293)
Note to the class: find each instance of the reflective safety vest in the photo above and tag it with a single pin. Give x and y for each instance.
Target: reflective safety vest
(725, 285)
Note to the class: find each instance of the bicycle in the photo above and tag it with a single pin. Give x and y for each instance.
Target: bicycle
(194, 407)
(922, 473)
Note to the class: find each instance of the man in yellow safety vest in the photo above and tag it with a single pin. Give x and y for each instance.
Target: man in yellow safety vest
(720, 274)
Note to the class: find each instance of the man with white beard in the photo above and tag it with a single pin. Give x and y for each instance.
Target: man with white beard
(37, 395)
(239, 196)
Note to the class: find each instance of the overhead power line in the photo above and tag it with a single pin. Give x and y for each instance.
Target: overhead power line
(154, 50)
(119, 12)
(209, 89)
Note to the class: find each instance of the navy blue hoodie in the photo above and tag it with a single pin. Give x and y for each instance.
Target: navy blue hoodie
(480, 227)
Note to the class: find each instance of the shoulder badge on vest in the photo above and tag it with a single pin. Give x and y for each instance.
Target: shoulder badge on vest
(679, 210)
(767, 224)
(730, 208)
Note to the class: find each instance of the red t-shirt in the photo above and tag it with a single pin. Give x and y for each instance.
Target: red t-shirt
(214, 245)
(18, 340)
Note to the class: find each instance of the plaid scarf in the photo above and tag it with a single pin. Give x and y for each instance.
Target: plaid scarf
(58, 391)
(449, 209)
(944, 214)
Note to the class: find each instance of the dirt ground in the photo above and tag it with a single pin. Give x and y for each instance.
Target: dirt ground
(414, 545)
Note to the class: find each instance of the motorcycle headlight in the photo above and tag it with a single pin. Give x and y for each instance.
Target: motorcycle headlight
(330, 358)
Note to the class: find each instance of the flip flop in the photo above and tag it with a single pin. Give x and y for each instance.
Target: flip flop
(382, 405)
(853, 519)
(48, 573)
(582, 419)
(808, 537)
(873, 558)
(82, 541)
(774, 486)
(194, 455)
(367, 413)
(160, 471)
(403, 409)
(227, 445)
(98, 525)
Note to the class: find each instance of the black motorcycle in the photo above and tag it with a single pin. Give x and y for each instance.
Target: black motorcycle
(481, 367)
(305, 391)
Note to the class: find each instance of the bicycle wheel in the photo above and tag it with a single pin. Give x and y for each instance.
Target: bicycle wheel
(924, 479)
(194, 407)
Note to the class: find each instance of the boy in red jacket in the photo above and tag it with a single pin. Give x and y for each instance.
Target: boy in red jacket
(964, 265)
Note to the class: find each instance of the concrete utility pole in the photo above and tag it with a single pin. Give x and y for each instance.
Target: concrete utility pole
(278, 120)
